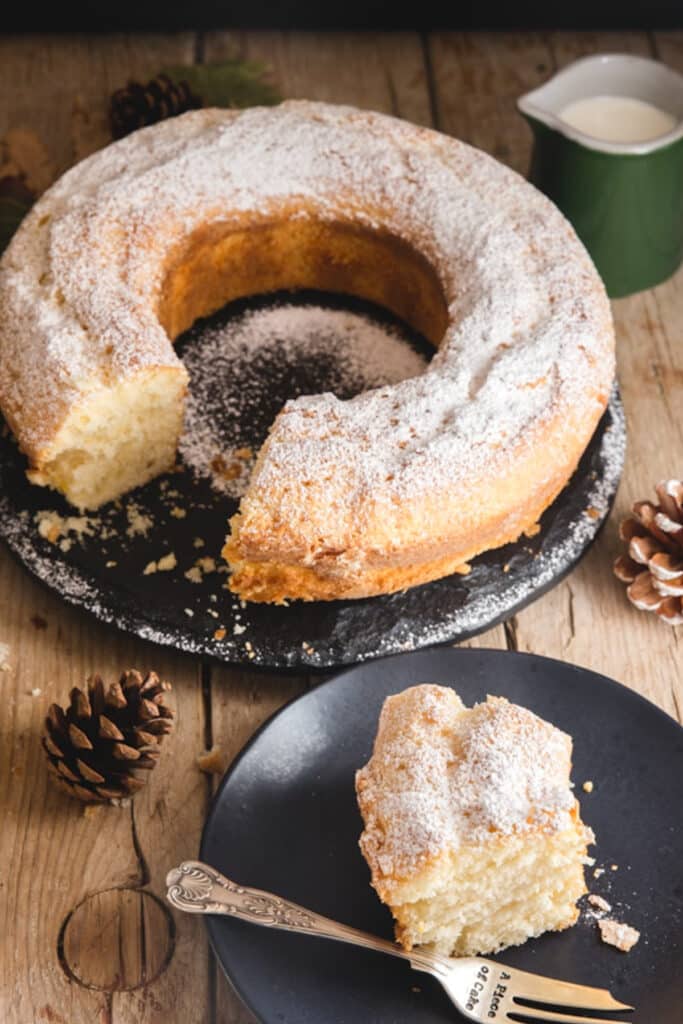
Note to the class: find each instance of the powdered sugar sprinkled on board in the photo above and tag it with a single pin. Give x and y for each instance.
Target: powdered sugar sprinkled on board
(356, 352)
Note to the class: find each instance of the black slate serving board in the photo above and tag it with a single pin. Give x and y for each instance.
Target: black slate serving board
(104, 572)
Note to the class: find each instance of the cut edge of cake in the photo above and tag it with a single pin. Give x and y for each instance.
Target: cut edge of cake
(472, 832)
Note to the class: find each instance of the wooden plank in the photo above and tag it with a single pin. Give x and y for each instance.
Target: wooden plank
(368, 70)
(668, 47)
(477, 79)
(42, 79)
(568, 46)
(55, 856)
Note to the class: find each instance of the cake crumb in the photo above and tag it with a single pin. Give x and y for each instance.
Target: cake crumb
(213, 762)
(188, 612)
(617, 934)
(178, 513)
(219, 634)
(194, 575)
(588, 786)
(198, 542)
(598, 872)
(614, 867)
(212, 612)
(164, 564)
(206, 564)
(90, 810)
(599, 902)
(139, 524)
(237, 629)
(53, 527)
(4, 658)
(110, 564)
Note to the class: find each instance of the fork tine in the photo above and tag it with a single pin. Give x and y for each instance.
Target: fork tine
(558, 993)
(524, 1013)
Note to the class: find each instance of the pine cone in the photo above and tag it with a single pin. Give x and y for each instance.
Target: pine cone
(653, 567)
(104, 736)
(139, 105)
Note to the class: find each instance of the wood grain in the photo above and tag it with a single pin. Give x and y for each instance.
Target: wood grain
(53, 854)
(42, 78)
(72, 883)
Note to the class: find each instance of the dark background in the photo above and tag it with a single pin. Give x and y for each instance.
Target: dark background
(348, 14)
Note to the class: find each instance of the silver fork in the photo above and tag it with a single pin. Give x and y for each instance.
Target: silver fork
(482, 990)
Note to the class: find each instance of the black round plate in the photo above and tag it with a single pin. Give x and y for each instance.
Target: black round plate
(285, 820)
(104, 572)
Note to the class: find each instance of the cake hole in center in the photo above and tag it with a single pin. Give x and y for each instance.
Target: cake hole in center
(247, 360)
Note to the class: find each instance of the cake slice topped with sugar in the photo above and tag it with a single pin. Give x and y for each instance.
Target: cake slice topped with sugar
(472, 831)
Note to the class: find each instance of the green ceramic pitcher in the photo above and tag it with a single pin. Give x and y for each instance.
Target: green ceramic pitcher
(625, 200)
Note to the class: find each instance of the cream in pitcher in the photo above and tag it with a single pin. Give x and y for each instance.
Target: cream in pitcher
(618, 118)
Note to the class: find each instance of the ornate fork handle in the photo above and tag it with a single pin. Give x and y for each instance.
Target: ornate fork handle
(199, 889)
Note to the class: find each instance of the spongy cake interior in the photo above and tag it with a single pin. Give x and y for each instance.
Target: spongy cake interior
(118, 438)
(472, 832)
(489, 896)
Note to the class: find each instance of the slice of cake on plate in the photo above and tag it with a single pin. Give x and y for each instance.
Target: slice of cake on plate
(472, 832)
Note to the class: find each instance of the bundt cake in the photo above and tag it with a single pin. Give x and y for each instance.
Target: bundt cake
(395, 487)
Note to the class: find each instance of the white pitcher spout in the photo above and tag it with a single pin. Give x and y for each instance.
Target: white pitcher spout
(610, 74)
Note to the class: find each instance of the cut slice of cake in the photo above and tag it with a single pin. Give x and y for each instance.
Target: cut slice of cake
(472, 832)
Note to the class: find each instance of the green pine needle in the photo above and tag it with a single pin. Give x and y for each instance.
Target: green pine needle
(232, 83)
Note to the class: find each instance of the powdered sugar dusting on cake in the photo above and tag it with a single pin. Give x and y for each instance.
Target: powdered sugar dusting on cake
(530, 331)
(356, 352)
(441, 776)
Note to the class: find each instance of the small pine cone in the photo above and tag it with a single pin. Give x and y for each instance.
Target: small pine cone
(139, 105)
(653, 567)
(95, 747)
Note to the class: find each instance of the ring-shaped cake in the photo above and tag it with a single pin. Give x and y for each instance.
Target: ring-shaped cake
(395, 487)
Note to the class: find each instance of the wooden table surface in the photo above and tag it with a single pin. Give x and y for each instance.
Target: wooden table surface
(84, 934)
